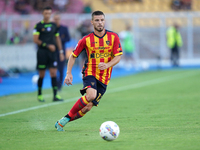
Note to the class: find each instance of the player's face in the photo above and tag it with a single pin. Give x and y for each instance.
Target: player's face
(98, 22)
(47, 14)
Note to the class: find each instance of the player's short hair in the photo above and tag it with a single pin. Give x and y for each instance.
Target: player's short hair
(47, 8)
(96, 13)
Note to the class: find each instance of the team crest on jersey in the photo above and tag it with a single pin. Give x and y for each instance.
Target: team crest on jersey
(107, 42)
(49, 29)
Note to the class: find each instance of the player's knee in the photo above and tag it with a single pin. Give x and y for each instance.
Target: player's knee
(91, 97)
(53, 72)
(41, 73)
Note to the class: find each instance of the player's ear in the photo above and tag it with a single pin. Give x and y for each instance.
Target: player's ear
(91, 22)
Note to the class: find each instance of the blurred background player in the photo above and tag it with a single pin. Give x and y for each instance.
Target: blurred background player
(128, 46)
(65, 37)
(46, 36)
(103, 52)
(174, 42)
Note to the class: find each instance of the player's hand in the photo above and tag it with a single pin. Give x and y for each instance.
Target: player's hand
(51, 47)
(62, 57)
(68, 79)
(102, 66)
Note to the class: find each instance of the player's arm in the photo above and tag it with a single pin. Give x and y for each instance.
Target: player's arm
(79, 47)
(58, 43)
(36, 40)
(113, 62)
(42, 44)
(69, 78)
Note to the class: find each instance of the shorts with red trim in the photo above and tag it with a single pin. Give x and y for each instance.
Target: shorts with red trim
(92, 82)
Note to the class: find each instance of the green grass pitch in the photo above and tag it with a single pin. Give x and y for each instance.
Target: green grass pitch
(156, 110)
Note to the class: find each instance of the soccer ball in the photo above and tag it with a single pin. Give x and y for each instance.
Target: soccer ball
(109, 130)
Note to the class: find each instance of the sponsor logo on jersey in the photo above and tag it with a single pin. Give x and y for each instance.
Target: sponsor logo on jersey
(101, 48)
(101, 55)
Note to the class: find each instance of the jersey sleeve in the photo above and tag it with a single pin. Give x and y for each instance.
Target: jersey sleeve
(79, 47)
(36, 30)
(117, 49)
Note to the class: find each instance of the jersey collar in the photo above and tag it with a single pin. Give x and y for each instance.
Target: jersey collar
(101, 36)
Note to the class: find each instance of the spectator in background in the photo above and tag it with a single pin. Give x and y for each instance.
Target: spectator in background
(176, 5)
(128, 46)
(186, 4)
(15, 39)
(84, 29)
(174, 42)
(20, 6)
(40, 4)
(61, 5)
(87, 8)
(65, 37)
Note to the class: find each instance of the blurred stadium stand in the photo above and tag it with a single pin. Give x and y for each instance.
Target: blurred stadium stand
(149, 20)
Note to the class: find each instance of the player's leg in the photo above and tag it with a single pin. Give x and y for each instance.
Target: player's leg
(53, 73)
(101, 89)
(172, 56)
(40, 83)
(176, 56)
(41, 66)
(82, 112)
(81, 103)
(91, 92)
(77, 113)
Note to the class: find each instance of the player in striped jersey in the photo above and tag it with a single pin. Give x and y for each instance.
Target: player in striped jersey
(103, 50)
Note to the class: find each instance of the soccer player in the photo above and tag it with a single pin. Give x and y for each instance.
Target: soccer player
(46, 36)
(103, 50)
(65, 37)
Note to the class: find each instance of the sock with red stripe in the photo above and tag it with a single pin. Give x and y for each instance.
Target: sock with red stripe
(82, 102)
(77, 115)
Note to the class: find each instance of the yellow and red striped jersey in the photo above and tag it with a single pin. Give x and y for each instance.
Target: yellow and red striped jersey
(99, 49)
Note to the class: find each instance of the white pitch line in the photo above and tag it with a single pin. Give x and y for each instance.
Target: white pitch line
(150, 82)
(123, 88)
(37, 107)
